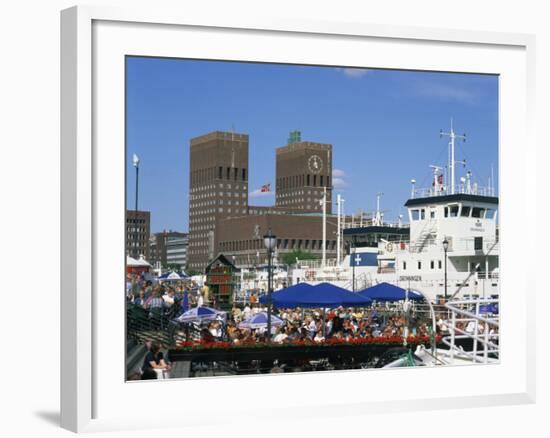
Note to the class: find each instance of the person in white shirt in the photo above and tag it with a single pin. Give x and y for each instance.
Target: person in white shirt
(168, 297)
(280, 336)
(319, 337)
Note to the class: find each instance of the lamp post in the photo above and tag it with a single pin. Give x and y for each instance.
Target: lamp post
(445, 248)
(354, 240)
(135, 162)
(270, 242)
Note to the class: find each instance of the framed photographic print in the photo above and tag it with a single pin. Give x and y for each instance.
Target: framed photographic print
(265, 206)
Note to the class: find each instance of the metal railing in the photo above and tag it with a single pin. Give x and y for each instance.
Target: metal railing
(488, 246)
(481, 329)
(156, 325)
(428, 192)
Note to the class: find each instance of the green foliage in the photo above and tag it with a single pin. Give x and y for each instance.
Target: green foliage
(290, 257)
(192, 273)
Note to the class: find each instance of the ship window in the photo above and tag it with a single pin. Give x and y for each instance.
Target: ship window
(422, 214)
(446, 212)
(404, 266)
(478, 243)
(453, 210)
(415, 215)
(478, 212)
(465, 211)
(419, 265)
(490, 213)
(432, 264)
(432, 214)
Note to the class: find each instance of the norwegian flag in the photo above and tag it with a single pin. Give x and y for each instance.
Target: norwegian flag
(439, 180)
(265, 188)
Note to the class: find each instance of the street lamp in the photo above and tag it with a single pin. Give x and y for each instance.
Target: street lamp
(135, 162)
(354, 239)
(445, 248)
(270, 242)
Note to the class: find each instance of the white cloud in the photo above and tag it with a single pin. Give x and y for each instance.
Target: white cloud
(339, 183)
(338, 173)
(447, 93)
(353, 72)
(259, 194)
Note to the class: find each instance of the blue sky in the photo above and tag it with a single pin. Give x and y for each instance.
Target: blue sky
(383, 125)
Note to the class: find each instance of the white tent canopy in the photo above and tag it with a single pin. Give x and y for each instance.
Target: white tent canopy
(133, 263)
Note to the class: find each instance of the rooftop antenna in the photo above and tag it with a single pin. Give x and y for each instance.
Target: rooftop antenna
(452, 137)
(463, 188)
(232, 145)
(492, 182)
(378, 214)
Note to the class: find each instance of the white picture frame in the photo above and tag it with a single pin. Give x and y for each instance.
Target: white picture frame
(93, 39)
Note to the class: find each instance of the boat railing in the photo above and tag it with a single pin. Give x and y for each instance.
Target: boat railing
(475, 320)
(467, 244)
(428, 192)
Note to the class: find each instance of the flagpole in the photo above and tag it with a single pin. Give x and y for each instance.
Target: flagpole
(324, 226)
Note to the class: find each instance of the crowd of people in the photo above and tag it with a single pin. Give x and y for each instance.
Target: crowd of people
(309, 324)
(171, 297)
(298, 325)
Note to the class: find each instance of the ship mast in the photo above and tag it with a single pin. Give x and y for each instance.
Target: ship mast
(452, 137)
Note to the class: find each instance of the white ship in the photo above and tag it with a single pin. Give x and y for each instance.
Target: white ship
(451, 247)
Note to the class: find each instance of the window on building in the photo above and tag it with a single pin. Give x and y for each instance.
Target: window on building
(321, 180)
(243, 175)
(432, 264)
(228, 173)
(478, 212)
(404, 266)
(439, 264)
(315, 180)
(307, 180)
(478, 243)
(419, 265)
(220, 172)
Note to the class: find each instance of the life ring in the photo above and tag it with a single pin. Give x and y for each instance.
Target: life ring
(389, 247)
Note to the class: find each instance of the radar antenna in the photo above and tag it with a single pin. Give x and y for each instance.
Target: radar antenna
(452, 137)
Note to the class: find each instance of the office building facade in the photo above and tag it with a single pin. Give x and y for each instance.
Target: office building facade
(218, 188)
(138, 230)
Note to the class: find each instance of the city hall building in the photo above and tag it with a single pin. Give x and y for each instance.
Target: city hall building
(222, 221)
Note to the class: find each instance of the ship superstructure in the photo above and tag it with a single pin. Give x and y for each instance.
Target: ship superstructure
(450, 248)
